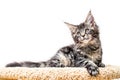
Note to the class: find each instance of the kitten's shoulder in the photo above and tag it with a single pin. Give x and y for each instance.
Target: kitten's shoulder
(67, 49)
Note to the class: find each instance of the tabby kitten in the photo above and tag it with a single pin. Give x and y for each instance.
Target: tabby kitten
(86, 52)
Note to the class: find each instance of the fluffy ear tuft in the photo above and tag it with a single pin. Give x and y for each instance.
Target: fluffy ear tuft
(71, 26)
(90, 19)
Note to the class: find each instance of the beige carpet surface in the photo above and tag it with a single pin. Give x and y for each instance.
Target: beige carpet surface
(107, 73)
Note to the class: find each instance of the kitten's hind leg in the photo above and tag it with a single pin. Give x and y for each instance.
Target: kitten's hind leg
(55, 63)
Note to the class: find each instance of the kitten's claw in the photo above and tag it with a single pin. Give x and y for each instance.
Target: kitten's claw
(93, 70)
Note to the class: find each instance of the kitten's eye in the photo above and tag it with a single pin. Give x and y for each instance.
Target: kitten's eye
(91, 31)
(87, 31)
(78, 32)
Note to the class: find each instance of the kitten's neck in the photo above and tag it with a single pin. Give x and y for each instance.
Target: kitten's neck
(91, 46)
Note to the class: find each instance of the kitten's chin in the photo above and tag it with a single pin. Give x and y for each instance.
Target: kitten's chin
(85, 42)
(81, 44)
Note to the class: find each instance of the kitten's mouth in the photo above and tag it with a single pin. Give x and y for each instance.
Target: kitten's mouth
(85, 42)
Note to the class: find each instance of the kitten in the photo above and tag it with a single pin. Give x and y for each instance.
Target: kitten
(86, 52)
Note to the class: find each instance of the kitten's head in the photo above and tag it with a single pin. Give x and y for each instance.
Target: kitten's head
(85, 32)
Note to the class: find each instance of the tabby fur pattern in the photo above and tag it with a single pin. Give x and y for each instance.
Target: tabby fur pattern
(85, 52)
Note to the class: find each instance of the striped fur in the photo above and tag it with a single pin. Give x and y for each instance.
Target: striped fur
(86, 52)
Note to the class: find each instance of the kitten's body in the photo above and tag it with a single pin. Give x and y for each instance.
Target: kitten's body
(86, 52)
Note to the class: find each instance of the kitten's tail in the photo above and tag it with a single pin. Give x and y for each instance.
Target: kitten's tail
(27, 64)
(14, 64)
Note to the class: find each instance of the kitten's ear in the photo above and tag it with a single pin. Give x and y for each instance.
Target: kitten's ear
(71, 26)
(90, 19)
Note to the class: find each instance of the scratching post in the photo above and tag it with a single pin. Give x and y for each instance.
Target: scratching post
(68, 73)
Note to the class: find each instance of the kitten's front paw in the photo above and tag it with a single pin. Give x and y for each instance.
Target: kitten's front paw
(93, 70)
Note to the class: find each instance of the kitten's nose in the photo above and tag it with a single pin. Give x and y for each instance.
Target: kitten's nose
(86, 37)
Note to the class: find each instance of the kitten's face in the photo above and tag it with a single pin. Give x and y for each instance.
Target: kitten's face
(86, 32)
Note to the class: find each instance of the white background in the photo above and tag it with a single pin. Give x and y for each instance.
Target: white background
(33, 30)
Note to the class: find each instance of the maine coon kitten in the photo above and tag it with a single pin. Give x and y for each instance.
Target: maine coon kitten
(86, 52)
